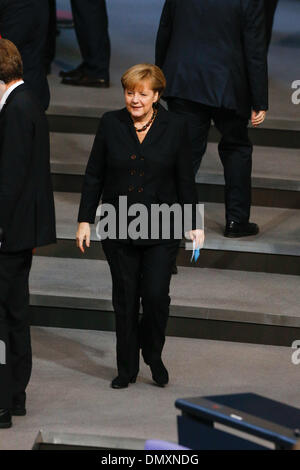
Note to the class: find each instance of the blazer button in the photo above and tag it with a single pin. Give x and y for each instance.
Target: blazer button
(140, 190)
(132, 172)
(142, 173)
(130, 188)
(133, 157)
(142, 158)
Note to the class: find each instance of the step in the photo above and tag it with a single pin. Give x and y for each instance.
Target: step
(77, 109)
(275, 249)
(280, 228)
(273, 167)
(212, 295)
(275, 176)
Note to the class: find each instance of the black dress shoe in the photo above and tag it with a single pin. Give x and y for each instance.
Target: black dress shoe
(72, 73)
(236, 230)
(120, 382)
(18, 409)
(5, 419)
(18, 406)
(159, 373)
(84, 80)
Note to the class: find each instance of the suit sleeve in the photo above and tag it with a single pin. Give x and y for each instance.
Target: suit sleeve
(94, 178)
(185, 182)
(254, 41)
(15, 159)
(164, 34)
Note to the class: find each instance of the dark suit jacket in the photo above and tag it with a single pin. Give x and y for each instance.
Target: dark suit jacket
(25, 23)
(26, 198)
(157, 171)
(214, 52)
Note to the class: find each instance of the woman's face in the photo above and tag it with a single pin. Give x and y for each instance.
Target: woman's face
(140, 100)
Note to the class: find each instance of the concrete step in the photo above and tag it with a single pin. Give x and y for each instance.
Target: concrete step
(275, 181)
(213, 295)
(279, 228)
(77, 110)
(273, 168)
(275, 249)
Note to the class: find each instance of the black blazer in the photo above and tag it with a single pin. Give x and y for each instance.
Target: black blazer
(26, 198)
(157, 171)
(214, 52)
(25, 23)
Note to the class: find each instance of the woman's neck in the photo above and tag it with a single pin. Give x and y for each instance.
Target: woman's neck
(143, 119)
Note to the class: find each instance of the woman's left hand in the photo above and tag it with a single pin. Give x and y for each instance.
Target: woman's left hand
(198, 236)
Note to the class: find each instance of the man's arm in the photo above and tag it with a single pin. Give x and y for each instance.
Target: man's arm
(255, 52)
(163, 34)
(15, 158)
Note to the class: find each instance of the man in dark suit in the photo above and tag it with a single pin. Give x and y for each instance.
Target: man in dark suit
(213, 54)
(91, 26)
(27, 220)
(25, 23)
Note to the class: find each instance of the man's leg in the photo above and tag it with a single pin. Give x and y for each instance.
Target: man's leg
(19, 332)
(16, 362)
(199, 120)
(91, 26)
(6, 273)
(235, 150)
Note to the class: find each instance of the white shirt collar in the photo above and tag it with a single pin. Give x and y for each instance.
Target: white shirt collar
(8, 92)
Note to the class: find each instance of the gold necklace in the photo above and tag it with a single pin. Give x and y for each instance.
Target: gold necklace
(145, 127)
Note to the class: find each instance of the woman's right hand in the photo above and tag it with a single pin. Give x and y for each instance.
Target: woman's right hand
(83, 234)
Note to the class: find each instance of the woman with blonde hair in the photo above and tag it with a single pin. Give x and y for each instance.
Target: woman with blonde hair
(140, 152)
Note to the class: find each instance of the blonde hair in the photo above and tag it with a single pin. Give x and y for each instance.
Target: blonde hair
(132, 78)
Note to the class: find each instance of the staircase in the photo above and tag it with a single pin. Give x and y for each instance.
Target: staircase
(244, 290)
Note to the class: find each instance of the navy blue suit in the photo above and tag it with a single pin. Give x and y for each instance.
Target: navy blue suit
(213, 53)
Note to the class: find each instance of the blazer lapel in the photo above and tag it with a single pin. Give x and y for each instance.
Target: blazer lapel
(155, 131)
(3, 109)
(127, 125)
(158, 127)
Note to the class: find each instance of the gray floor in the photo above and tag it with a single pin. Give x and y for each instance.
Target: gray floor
(69, 390)
(133, 27)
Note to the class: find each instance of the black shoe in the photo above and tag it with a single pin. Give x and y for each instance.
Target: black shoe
(72, 73)
(5, 419)
(159, 373)
(18, 406)
(236, 230)
(120, 382)
(84, 80)
(18, 409)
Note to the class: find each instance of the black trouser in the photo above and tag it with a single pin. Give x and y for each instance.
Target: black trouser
(91, 26)
(15, 344)
(235, 150)
(270, 9)
(140, 273)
